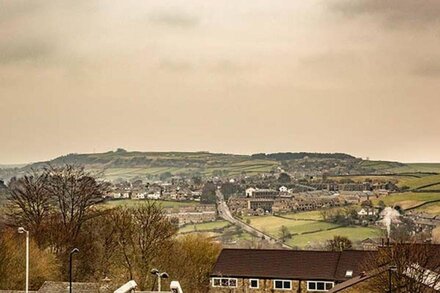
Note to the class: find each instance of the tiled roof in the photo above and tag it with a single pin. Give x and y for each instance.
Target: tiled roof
(289, 264)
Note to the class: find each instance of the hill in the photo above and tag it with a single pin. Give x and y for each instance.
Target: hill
(122, 164)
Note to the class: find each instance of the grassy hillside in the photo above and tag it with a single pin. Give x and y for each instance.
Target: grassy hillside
(121, 164)
(409, 200)
(420, 183)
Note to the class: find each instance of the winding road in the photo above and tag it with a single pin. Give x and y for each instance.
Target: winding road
(225, 213)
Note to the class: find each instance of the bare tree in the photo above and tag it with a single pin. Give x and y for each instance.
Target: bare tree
(143, 232)
(413, 267)
(74, 193)
(29, 203)
(284, 233)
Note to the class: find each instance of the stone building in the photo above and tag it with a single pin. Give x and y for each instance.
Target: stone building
(270, 270)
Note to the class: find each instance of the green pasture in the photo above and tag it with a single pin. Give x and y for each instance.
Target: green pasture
(408, 199)
(208, 226)
(272, 225)
(354, 233)
(415, 183)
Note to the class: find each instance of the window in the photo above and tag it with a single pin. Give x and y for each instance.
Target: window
(282, 284)
(319, 286)
(254, 283)
(224, 282)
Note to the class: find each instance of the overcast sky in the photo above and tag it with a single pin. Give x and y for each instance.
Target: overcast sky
(361, 77)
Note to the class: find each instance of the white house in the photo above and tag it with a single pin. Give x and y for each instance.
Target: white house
(250, 191)
(140, 195)
(155, 195)
(364, 212)
(283, 189)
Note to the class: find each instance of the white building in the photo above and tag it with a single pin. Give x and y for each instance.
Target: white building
(283, 189)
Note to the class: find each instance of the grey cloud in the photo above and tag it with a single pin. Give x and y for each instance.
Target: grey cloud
(17, 8)
(332, 62)
(31, 51)
(393, 13)
(427, 69)
(173, 19)
(175, 66)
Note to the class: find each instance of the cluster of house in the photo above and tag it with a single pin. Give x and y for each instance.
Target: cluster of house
(162, 190)
(376, 187)
(424, 222)
(192, 214)
(262, 201)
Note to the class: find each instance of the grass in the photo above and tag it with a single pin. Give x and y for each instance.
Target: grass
(310, 228)
(432, 208)
(208, 226)
(272, 225)
(355, 234)
(163, 203)
(415, 183)
(418, 167)
(312, 215)
(232, 168)
(408, 199)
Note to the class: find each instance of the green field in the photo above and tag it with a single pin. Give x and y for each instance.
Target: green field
(308, 228)
(311, 215)
(408, 199)
(418, 167)
(432, 208)
(415, 183)
(272, 225)
(208, 226)
(354, 233)
(135, 202)
(233, 168)
(395, 167)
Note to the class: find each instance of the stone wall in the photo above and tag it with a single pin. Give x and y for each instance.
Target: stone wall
(265, 286)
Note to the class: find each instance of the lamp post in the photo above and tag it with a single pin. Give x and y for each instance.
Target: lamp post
(21, 230)
(160, 276)
(391, 269)
(75, 250)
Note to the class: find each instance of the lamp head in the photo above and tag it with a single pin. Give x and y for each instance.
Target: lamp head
(164, 275)
(75, 250)
(155, 271)
(21, 230)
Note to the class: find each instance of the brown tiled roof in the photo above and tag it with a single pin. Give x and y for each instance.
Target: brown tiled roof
(289, 264)
(358, 279)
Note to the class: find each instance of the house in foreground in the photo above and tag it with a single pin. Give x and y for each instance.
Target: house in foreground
(270, 270)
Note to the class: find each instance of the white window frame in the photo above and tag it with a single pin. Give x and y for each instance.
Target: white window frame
(258, 283)
(290, 286)
(316, 286)
(221, 279)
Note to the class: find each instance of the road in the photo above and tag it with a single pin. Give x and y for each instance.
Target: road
(225, 213)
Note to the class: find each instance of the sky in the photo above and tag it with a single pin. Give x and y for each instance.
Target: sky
(361, 77)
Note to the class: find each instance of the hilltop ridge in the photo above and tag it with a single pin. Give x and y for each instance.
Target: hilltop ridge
(130, 164)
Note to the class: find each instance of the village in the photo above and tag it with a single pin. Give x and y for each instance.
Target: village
(192, 200)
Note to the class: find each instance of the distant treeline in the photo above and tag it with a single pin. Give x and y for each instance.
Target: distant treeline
(301, 155)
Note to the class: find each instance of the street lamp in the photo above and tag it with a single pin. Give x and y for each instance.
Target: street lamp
(160, 276)
(391, 269)
(21, 230)
(75, 250)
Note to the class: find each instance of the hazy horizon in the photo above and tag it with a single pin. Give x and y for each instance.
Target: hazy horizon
(360, 77)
